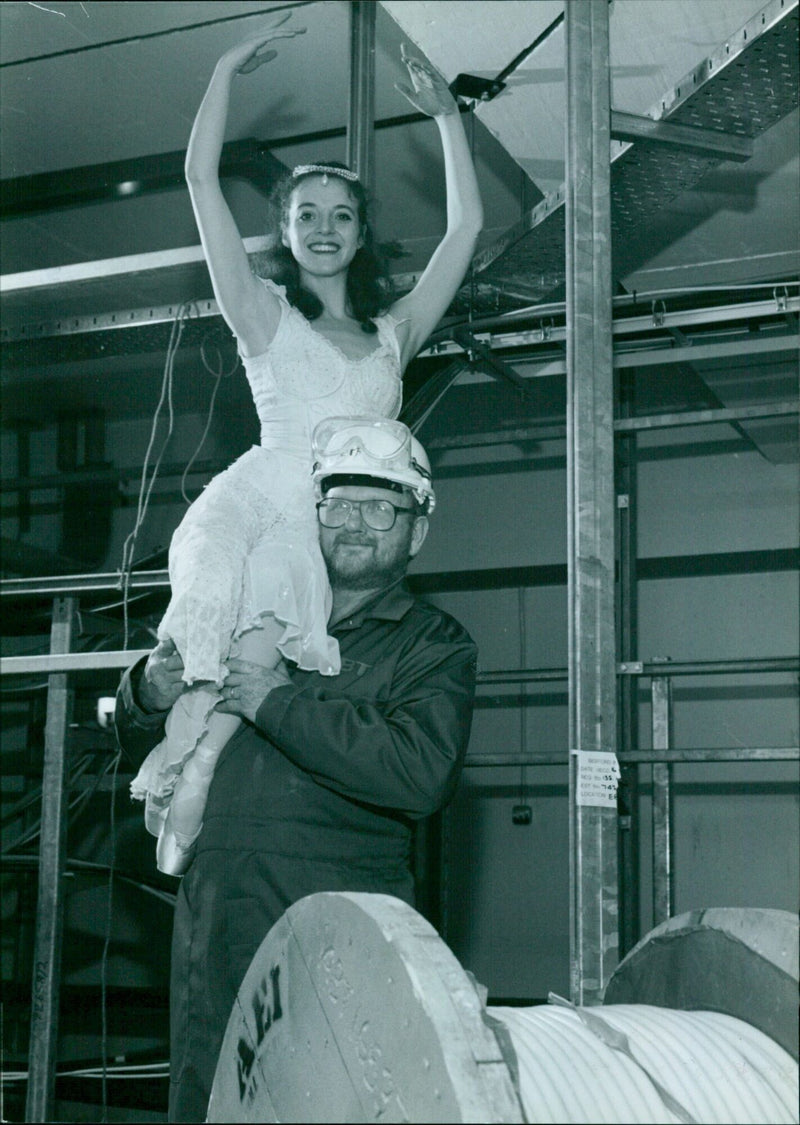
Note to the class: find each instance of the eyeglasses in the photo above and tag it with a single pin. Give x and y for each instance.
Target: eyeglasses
(380, 515)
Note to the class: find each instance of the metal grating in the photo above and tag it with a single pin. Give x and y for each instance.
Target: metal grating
(747, 86)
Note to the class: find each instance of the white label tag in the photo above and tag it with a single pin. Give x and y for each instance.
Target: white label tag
(598, 777)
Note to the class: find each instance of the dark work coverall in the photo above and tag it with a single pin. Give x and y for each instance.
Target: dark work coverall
(319, 795)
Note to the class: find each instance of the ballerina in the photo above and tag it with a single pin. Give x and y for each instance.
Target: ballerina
(319, 337)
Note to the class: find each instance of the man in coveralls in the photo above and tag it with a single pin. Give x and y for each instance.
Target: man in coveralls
(320, 788)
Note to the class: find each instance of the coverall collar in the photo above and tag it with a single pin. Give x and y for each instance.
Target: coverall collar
(391, 604)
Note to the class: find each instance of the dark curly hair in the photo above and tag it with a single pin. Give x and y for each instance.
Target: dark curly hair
(369, 289)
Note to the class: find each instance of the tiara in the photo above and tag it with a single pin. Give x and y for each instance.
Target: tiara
(324, 170)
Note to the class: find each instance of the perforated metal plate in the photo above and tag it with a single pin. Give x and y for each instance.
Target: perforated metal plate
(748, 85)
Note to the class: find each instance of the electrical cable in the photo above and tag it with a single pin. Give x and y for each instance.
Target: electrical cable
(526, 52)
(152, 34)
(120, 1070)
(21, 689)
(523, 722)
(107, 942)
(201, 443)
(78, 802)
(472, 283)
(145, 491)
(29, 859)
(218, 374)
(145, 488)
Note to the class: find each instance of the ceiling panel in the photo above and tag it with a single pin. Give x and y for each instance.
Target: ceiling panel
(138, 97)
(652, 45)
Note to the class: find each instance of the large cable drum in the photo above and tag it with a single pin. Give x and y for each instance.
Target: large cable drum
(743, 962)
(353, 1009)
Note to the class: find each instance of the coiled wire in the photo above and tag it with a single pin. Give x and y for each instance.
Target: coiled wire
(635, 1062)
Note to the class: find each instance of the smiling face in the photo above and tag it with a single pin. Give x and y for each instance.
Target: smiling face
(322, 227)
(359, 558)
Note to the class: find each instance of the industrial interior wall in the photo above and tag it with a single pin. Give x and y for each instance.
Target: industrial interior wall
(506, 902)
(735, 824)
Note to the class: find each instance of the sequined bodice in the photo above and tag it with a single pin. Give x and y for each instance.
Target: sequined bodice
(303, 378)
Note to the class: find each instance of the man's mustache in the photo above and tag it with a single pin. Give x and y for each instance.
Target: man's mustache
(353, 541)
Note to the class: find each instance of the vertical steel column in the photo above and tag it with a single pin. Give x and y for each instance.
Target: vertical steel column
(361, 107)
(445, 829)
(594, 938)
(50, 900)
(628, 686)
(661, 698)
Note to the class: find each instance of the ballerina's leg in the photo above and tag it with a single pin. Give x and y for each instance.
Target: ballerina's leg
(184, 817)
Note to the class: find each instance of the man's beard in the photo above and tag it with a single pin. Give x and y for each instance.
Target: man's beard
(359, 572)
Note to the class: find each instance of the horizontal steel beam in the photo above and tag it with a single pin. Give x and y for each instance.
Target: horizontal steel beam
(703, 417)
(81, 584)
(649, 668)
(534, 431)
(547, 574)
(656, 356)
(70, 662)
(94, 661)
(547, 430)
(726, 146)
(550, 327)
(633, 757)
(126, 179)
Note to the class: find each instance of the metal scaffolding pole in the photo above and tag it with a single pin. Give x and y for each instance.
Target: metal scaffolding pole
(628, 686)
(661, 697)
(361, 107)
(50, 898)
(594, 937)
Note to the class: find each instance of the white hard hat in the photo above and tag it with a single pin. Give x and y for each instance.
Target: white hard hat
(379, 449)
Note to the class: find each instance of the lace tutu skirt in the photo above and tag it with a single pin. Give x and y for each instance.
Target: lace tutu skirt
(248, 546)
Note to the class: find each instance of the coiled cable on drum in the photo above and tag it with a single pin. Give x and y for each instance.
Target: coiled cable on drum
(637, 1062)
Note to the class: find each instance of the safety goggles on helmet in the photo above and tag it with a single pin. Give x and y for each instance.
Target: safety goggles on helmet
(379, 448)
(384, 443)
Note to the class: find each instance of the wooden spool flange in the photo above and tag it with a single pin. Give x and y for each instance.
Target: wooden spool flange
(354, 1009)
(740, 961)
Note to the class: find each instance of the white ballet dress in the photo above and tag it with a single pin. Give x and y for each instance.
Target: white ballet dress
(248, 545)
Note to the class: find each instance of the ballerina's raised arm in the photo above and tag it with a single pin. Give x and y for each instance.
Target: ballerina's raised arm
(250, 310)
(428, 301)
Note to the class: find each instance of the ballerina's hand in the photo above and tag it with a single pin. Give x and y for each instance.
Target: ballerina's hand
(430, 94)
(249, 56)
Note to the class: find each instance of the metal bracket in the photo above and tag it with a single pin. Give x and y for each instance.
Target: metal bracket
(781, 296)
(479, 353)
(476, 89)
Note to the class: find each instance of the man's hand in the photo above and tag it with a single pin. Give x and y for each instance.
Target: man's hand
(161, 681)
(248, 685)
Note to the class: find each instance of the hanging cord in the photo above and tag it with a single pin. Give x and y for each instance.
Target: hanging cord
(523, 699)
(219, 375)
(107, 942)
(145, 491)
(145, 487)
(471, 310)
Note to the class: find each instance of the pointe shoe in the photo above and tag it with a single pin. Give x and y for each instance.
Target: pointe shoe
(174, 855)
(155, 813)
